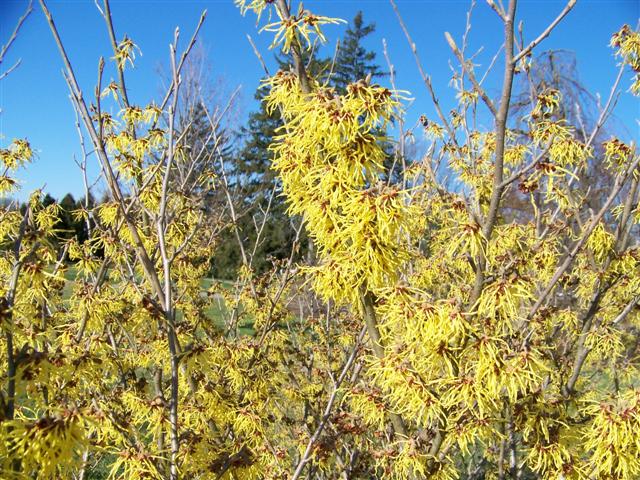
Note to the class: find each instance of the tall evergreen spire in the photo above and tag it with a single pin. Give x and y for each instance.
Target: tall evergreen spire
(354, 62)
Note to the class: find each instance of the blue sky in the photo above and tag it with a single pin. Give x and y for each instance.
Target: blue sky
(34, 99)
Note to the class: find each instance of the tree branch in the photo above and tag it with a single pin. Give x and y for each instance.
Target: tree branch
(570, 4)
(469, 70)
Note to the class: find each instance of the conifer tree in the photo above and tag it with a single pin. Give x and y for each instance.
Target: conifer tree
(354, 62)
(70, 227)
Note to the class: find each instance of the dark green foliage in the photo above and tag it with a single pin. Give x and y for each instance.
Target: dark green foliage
(254, 183)
(48, 200)
(354, 62)
(70, 226)
(252, 172)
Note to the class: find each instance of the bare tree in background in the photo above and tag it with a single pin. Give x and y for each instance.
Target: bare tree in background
(558, 71)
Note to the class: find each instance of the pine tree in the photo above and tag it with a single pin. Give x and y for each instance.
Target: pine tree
(354, 62)
(48, 200)
(69, 225)
(252, 166)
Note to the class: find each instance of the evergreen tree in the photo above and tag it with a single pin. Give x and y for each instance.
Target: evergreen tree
(48, 200)
(252, 181)
(354, 62)
(252, 170)
(68, 225)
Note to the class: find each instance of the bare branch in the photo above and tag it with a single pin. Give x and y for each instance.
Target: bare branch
(11, 69)
(469, 70)
(12, 38)
(184, 56)
(257, 52)
(620, 181)
(526, 168)
(283, 9)
(570, 4)
(106, 13)
(425, 78)
(498, 168)
(498, 10)
(327, 411)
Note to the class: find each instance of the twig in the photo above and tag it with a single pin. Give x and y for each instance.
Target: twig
(11, 69)
(183, 57)
(620, 181)
(604, 113)
(257, 52)
(498, 169)
(469, 70)
(497, 9)
(327, 411)
(106, 13)
(14, 35)
(161, 225)
(570, 4)
(526, 169)
(283, 9)
(146, 262)
(425, 78)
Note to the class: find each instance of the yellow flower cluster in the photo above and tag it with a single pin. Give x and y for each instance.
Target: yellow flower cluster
(331, 165)
(15, 156)
(627, 44)
(473, 376)
(48, 445)
(288, 29)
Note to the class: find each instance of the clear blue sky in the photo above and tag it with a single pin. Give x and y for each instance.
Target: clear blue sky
(34, 99)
